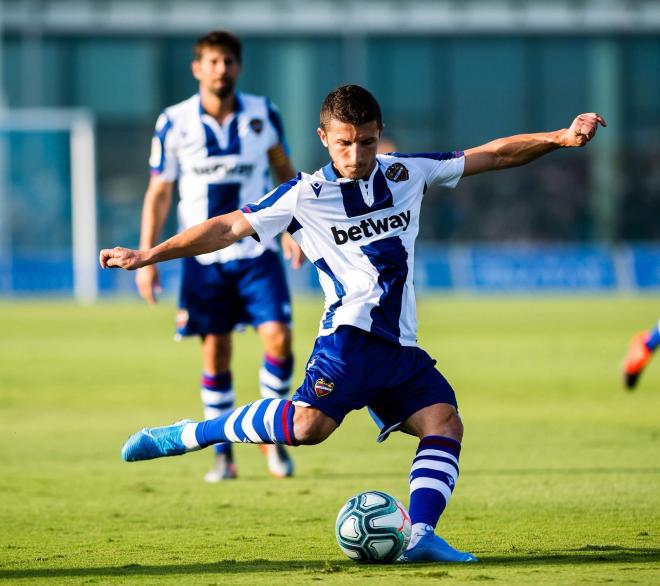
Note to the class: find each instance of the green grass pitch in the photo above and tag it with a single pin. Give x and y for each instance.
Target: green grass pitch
(560, 475)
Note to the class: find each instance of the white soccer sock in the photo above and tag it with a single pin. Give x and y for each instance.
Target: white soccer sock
(188, 438)
(417, 532)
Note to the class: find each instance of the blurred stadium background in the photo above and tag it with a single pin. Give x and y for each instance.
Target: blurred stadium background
(82, 82)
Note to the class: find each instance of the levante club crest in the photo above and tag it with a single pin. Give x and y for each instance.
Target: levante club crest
(323, 387)
(397, 172)
(257, 125)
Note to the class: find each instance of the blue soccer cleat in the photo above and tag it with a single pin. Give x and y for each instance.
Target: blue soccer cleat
(155, 442)
(431, 548)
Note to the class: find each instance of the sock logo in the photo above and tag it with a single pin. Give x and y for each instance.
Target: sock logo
(370, 227)
(323, 387)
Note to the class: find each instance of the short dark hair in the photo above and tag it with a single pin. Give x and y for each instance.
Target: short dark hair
(351, 104)
(223, 39)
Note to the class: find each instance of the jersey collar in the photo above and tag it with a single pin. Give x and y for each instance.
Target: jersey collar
(331, 175)
(238, 104)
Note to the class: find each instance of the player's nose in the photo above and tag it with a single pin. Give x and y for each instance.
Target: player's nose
(352, 155)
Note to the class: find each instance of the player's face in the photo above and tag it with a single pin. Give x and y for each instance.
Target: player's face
(352, 148)
(217, 70)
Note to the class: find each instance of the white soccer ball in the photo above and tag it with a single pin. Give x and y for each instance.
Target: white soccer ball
(373, 527)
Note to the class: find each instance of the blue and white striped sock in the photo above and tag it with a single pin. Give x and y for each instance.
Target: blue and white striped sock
(432, 478)
(218, 398)
(653, 340)
(266, 421)
(275, 377)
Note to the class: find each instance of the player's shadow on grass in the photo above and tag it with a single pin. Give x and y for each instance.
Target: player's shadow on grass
(588, 554)
(396, 474)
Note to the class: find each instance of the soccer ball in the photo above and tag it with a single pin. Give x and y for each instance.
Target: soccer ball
(373, 527)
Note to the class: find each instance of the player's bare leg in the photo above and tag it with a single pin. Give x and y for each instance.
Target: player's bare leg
(439, 419)
(275, 382)
(311, 426)
(218, 398)
(432, 479)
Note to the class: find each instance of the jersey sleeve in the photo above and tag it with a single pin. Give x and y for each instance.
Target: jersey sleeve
(274, 212)
(275, 119)
(162, 160)
(441, 169)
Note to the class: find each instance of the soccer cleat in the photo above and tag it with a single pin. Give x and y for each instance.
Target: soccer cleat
(432, 548)
(280, 463)
(637, 358)
(155, 442)
(224, 468)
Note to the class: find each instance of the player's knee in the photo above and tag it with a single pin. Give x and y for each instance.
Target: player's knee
(277, 339)
(310, 426)
(438, 419)
(454, 426)
(308, 433)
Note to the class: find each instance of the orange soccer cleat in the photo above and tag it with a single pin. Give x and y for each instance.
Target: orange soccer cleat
(637, 358)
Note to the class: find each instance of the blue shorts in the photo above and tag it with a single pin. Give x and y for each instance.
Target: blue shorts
(215, 298)
(351, 369)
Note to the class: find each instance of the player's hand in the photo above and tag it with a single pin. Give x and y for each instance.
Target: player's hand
(583, 129)
(121, 258)
(291, 251)
(147, 280)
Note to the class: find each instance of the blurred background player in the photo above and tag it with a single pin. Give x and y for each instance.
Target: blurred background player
(640, 350)
(220, 145)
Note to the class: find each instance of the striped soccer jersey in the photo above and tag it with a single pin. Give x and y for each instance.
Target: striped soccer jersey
(360, 235)
(219, 167)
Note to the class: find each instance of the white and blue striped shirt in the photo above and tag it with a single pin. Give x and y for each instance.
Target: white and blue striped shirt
(219, 167)
(360, 235)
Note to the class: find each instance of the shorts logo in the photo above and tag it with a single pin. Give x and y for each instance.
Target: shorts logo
(323, 387)
(181, 318)
(397, 172)
(257, 125)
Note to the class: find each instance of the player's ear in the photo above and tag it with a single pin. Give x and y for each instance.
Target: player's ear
(195, 67)
(323, 136)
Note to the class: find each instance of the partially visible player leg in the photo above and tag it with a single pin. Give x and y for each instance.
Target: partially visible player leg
(264, 294)
(432, 479)
(209, 310)
(275, 383)
(218, 398)
(653, 340)
(641, 347)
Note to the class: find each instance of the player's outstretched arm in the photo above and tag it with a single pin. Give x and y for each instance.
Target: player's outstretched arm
(521, 149)
(214, 234)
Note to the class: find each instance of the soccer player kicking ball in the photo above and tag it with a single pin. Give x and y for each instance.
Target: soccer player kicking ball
(640, 350)
(356, 219)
